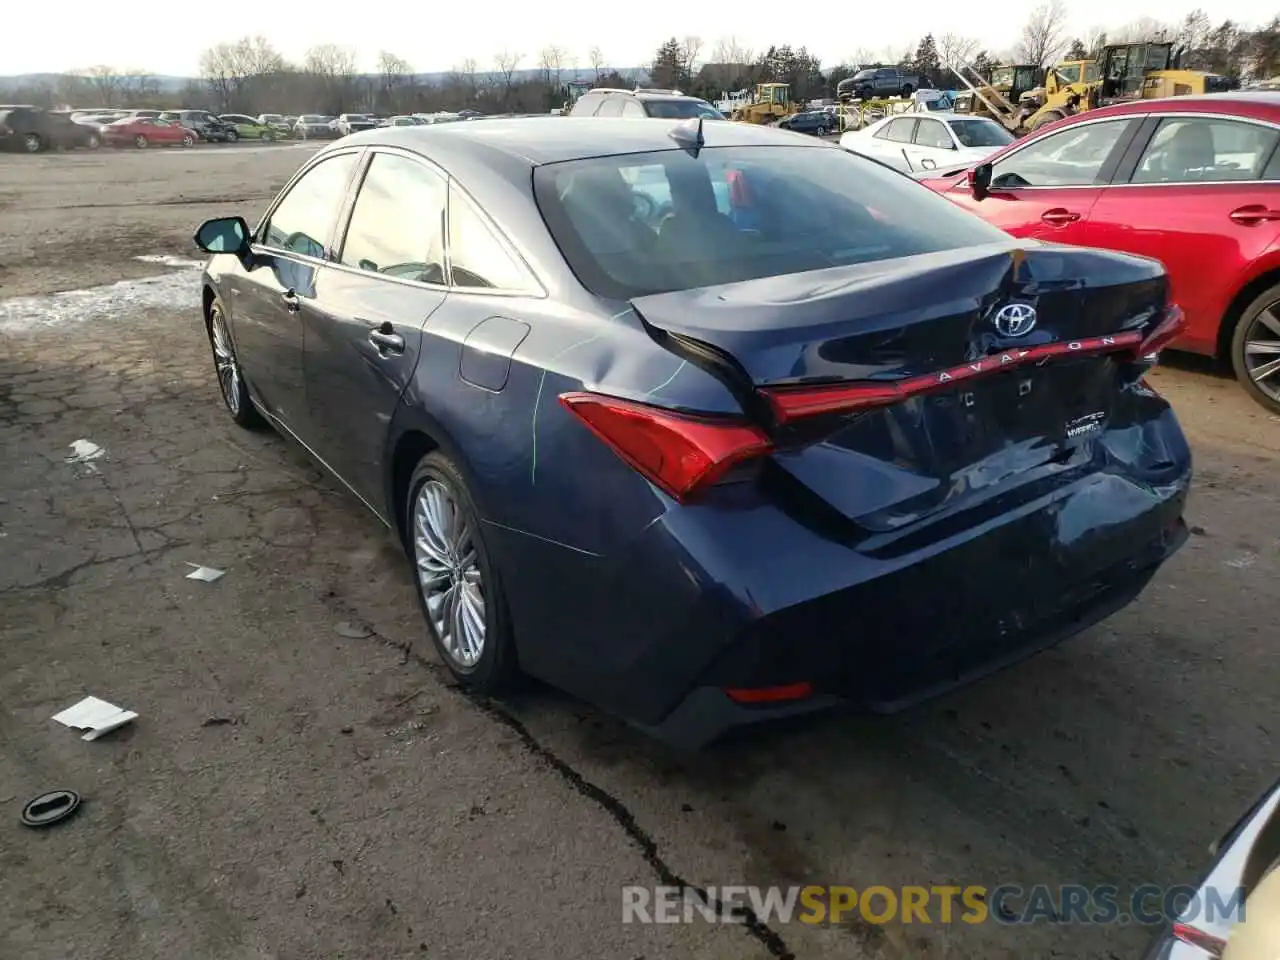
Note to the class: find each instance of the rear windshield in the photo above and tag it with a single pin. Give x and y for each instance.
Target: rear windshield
(654, 222)
(981, 133)
(682, 109)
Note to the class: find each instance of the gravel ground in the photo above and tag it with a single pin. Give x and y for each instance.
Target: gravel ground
(303, 782)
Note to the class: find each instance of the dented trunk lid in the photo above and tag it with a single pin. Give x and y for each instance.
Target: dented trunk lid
(970, 396)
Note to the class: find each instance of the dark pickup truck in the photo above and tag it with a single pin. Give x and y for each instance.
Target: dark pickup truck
(876, 82)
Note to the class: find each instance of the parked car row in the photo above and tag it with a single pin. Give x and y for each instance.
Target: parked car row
(33, 129)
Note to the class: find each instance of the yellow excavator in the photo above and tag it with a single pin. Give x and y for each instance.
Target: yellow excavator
(1123, 72)
(771, 103)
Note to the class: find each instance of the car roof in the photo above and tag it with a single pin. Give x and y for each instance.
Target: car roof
(540, 140)
(1261, 104)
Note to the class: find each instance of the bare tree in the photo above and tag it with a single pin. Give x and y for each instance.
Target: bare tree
(596, 56)
(955, 50)
(394, 75)
(1094, 40)
(551, 61)
(689, 55)
(861, 57)
(218, 71)
(507, 62)
(256, 57)
(1044, 35)
(105, 82)
(1141, 30)
(335, 68)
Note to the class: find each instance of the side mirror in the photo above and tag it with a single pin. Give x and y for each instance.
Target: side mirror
(224, 235)
(980, 180)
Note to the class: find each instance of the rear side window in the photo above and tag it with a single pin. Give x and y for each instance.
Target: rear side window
(648, 223)
(679, 109)
(1193, 150)
(612, 107)
(899, 131)
(476, 257)
(931, 133)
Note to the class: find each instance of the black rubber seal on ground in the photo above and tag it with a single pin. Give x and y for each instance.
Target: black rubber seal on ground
(50, 808)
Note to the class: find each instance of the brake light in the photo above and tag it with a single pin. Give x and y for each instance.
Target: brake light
(1166, 331)
(782, 694)
(679, 453)
(795, 403)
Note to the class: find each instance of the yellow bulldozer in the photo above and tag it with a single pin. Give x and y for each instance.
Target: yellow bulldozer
(1123, 72)
(772, 102)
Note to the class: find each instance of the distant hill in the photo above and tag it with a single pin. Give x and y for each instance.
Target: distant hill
(171, 84)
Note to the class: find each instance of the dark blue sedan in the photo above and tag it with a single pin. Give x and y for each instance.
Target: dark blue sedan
(706, 424)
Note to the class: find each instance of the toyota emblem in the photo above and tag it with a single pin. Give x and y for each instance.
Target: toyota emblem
(1015, 320)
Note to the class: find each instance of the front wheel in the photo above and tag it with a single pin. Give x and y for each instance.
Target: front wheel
(32, 143)
(92, 141)
(188, 141)
(458, 584)
(268, 135)
(1255, 349)
(140, 142)
(232, 136)
(235, 393)
(907, 90)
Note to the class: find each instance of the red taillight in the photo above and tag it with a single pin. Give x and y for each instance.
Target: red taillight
(1214, 946)
(781, 694)
(680, 454)
(1166, 331)
(795, 403)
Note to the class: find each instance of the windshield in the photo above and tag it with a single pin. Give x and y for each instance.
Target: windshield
(1002, 77)
(980, 133)
(864, 75)
(649, 223)
(310, 118)
(682, 109)
(1068, 72)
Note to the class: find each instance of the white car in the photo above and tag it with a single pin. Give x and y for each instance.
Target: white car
(928, 144)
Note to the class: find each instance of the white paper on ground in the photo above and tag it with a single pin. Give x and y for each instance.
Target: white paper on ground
(96, 716)
(85, 450)
(207, 574)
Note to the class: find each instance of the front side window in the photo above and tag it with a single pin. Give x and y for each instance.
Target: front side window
(1070, 158)
(301, 222)
(476, 257)
(397, 223)
(612, 107)
(1200, 150)
(631, 108)
(980, 133)
(739, 213)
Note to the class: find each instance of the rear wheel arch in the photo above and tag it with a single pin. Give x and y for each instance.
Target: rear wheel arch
(422, 435)
(1235, 310)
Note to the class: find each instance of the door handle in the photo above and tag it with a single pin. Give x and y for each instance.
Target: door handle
(1254, 213)
(290, 301)
(385, 338)
(1059, 216)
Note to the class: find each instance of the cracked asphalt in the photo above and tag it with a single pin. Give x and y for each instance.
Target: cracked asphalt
(303, 782)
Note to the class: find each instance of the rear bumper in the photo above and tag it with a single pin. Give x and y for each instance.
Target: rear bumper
(744, 596)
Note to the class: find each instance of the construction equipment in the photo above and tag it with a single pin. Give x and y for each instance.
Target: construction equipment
(576, 89)
(998, 95)
(772, 102)
(1122, 72)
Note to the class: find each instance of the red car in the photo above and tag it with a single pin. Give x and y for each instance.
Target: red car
(1191, 181)
(143, 132)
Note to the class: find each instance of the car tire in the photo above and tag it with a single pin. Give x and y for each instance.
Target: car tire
(232, 136)
(32, 143)
(907, 90)
(268, 135)
(92, 142)
(188, 141)
(226, 367)
(140, 142)
(455, 573)
(1254, 328)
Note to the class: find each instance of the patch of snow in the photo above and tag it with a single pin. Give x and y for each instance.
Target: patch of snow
(173, 291)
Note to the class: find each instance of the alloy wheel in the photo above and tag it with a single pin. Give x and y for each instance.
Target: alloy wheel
(188, 141)
(224, 361)
(1262, 350)
(449, 577)
(140, 142)
(31, 142)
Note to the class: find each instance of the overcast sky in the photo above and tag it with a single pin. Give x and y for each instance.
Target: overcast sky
(160, 38)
